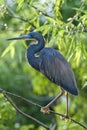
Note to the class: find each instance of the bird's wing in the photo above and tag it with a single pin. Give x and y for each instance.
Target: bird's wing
(55, 67)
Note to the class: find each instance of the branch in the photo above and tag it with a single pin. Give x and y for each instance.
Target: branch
(53, 19)
(24, 114)
(17, 17)
(14, 15)
(40, 11)
(5, 93)
(62, 115)
(22, 98)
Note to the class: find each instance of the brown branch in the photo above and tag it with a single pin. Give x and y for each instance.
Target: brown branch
(39, 106)
(24, 114)
(5, 93)
(69, 118)
(24, 99)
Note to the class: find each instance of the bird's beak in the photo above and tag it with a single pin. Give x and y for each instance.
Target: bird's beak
(25, 37)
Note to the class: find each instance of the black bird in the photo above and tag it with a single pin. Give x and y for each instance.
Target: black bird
(52, 64)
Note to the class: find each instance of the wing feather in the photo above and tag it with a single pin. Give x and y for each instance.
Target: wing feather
(55, 68)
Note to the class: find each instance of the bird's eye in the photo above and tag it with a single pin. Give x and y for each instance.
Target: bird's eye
(31, 35)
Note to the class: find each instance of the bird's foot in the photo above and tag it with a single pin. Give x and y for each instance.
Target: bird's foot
(65, 117)
(45, 110)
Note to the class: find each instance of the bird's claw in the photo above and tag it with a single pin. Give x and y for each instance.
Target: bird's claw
(64, 117)
(45, 110)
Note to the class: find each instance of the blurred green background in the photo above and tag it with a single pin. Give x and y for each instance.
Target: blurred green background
(63, 24)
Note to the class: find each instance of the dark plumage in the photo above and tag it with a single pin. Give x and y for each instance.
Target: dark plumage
(56, 68)
(52, 64)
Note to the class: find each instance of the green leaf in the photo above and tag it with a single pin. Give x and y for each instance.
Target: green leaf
(10, 48)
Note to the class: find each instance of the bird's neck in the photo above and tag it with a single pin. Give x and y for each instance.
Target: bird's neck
(33, 60)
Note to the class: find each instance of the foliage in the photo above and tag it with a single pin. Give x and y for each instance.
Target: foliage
(64, 25)
(7, 114)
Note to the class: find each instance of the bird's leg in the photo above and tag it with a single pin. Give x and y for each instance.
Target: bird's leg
(66, 104)
(46, 108)
(66, 114)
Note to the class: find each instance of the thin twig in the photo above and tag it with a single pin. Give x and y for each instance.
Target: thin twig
(69, 118)
(24, 114)
(40, 11)
(24, 99)
(14, 15)
(39, 106)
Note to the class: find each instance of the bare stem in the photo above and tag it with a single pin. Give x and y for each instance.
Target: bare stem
(62, 115)
(24, 114)
(5, 93)
(14, 15)
(24, 99)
